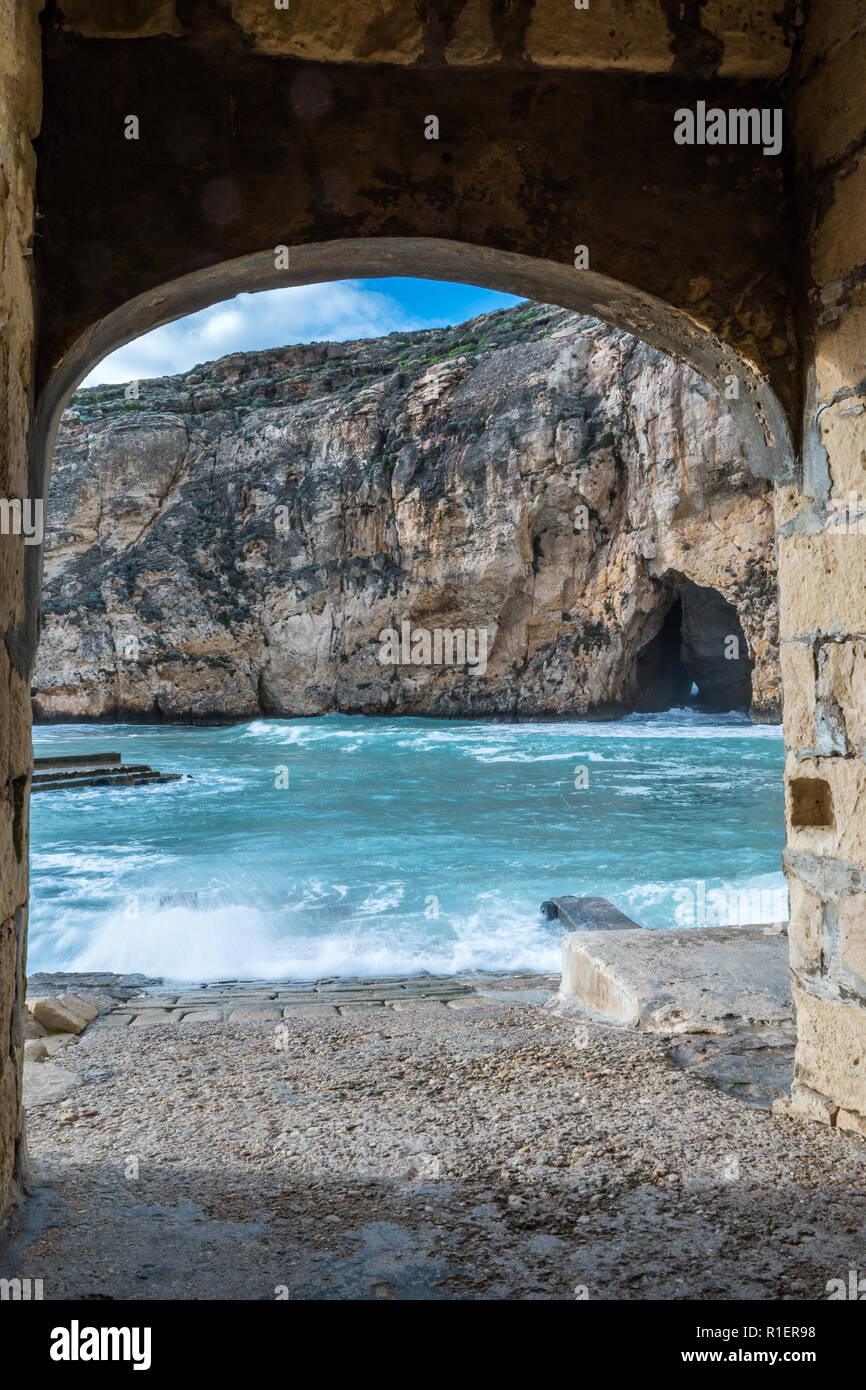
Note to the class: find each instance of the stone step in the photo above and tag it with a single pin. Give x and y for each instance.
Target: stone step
(672, 982)
(108, 780)
(44, 776)
(69, 760)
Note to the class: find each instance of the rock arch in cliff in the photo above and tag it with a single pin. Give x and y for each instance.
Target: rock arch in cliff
(698, 654)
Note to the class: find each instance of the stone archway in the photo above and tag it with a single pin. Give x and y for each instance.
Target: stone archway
(761, 418)
(760, 415)
(744, 267)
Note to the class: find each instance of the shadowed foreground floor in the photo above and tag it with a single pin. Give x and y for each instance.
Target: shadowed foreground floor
(470, 1150)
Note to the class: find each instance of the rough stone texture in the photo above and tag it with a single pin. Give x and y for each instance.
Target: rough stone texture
(852, 927)
(693, 980)
(46, 1082)
(645, 36)
(804, 927)
(831, 1048)
(841, 691)
(346, 158)
(66, 1013)
(822, 565)
(531, 473)
(20, 105)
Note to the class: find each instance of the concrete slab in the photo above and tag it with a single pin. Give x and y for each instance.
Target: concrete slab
(693, 980)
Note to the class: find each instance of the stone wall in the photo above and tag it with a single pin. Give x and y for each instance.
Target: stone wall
(822, 569)
(20, 104)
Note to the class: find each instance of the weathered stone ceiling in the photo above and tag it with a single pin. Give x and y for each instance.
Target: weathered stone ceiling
(241, 150)
(726, 38)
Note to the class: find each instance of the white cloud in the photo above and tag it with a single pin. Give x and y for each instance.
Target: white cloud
(334, 312)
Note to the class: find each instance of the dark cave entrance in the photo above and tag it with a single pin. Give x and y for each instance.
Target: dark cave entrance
(698, 657)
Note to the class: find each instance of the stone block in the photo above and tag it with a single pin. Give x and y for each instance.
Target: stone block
(830, 110)
(256, 1013)
(822, 584)
(840, 358)
(850, 1121)
(827, 26)
(519, 996)
(423, 1007)
(804, 928)
(134, 19)
(838, 241)
(798, 693)
(842, 679)
(826, 807)
(364, 31)
(842, 428)
(691, 980)
(852, 932)
(806, 1104)
(46, 1082)
(326, 1012)
(831, 1048)
(63, 1013)
(628, 34)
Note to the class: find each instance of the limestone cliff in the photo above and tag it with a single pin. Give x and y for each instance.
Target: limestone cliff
(236, 539)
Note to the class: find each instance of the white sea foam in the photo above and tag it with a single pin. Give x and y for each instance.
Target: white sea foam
(240, 942)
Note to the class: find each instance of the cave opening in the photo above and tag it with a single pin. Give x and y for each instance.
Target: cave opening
(698, 657)
(662, 680)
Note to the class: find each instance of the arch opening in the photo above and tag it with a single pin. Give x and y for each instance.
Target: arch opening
(761, 418)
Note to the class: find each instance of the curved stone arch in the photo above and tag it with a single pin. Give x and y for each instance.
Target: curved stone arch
(762, 421)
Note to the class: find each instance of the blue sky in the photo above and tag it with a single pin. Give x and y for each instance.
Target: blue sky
(335, 311)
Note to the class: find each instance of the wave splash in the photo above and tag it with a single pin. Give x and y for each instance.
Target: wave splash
(187, 945)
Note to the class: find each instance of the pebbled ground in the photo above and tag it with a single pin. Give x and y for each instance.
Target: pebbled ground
(471, 1149)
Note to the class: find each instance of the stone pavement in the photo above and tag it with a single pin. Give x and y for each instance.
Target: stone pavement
(125, 1001)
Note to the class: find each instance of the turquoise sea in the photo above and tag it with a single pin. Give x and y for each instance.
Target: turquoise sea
(370, 846)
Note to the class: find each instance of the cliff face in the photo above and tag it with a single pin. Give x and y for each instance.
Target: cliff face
(237, 539)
